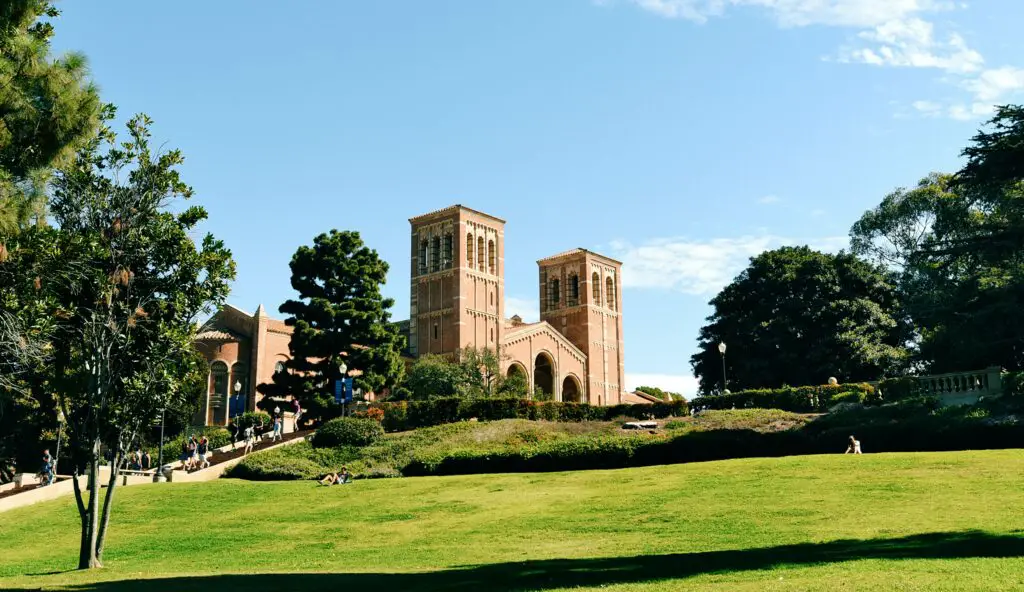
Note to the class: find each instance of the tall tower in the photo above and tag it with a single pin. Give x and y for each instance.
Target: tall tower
(581, 297)
(457, 297)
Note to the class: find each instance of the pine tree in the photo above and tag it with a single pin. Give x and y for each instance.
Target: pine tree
(47, 110)
(339, 316)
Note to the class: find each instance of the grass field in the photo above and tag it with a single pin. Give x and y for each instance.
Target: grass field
(926, 521)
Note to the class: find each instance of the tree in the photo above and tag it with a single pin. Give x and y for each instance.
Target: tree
(125, 326)
(797, 316)
(474, 373)
(339, 316)
(660, 394)
(47, 110)
(956, 298)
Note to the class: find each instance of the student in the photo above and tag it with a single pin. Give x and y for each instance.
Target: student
(854, 447)
(250, 439)
(298, 412)
(235, 432)
(47, 470)
(203, 448)
(184, 457)
(337, 478)
(277, 430)
(147, 461)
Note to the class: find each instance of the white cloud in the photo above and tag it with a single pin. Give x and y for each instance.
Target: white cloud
(889, 33)
(699, 267)
(769, 199)
(528, 309)
(928, 108)
(996, 84)
(676, 383)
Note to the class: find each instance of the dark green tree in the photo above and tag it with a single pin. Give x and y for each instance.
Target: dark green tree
(122, 347)
(339, 316)
(796, 316)
(47, 110)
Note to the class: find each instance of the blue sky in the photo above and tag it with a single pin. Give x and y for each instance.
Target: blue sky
(679, 136)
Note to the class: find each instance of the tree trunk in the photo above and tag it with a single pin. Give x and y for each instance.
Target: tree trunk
(83, 513)
(108, 501)
(91, 559)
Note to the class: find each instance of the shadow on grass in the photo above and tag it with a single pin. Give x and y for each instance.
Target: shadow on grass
(562, 573)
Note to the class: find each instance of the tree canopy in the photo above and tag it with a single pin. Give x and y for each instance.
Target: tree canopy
(797, 316)
(47, 109)
(475, 373)
(339, 316)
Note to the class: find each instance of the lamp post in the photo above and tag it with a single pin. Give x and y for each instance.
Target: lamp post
(238, 391)
(60, 430)
(343, 371)
(158, 476)
(721, 350)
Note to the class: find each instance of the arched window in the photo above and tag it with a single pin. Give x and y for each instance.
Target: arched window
(435, 254)
(218, 393)
(446, 257)
(423, 257)
(469, 249)
(595, 289)
(239, 397)
(609, 292)
(480, 254)
(556, 293)
(492, 334)
(574, 290)
(492, 257)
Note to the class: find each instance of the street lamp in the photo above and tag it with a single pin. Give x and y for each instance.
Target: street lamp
(158, 476)
(60, 429)
(343, 371)
(721, 350)
(238, 391)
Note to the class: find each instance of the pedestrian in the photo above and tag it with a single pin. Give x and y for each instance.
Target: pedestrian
(298, 412)
(235, 432)
(250, 439)
(203, 448)
(147, 461)
(47, 469)
(277, 430)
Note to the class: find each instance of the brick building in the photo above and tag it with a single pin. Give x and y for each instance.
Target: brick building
(457, 300)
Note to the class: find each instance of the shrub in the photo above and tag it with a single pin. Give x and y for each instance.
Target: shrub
(252, 418)
(396, 416)
(847, 398)
(802, 399)
(374, 413)
(1013, 384)
(898, 389)
(348, 431)
(276, 465)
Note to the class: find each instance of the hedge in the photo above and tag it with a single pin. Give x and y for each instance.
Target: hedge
(348, 431)
(930, 433)
(407, 415)
(800, 399)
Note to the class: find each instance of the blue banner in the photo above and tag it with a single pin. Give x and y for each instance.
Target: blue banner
(348, 390)
(339, 390)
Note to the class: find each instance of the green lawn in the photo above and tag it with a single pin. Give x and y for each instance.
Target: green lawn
(926, 521)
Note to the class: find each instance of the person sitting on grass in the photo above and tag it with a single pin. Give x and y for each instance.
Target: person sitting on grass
(337, 478)
(854, 447)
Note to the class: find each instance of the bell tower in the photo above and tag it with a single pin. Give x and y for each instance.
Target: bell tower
(581, 297)
(457, 296)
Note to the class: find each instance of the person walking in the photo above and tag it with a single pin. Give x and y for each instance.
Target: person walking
(298, 412)
(250, 439)
(277, 430)
(47, 469)
(203, 448)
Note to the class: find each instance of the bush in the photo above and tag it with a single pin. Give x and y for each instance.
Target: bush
(898, 389)
(405, 415)
(1013, 384)
(256, 419)
(802, 399)
(374, 413)
(348, 431)
(847, 398)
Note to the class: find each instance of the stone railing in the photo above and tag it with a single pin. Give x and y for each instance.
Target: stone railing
(977, 383)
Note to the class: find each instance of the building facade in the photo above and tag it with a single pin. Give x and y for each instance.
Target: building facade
(457, 301)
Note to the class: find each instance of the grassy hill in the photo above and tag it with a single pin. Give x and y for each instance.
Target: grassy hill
(906, 521)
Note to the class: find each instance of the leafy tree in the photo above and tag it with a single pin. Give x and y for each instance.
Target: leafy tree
(47, 110)
(958, 301)
(339, 315)
(797, 316)
(475, 373)
(663, 395)
(123, 343)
